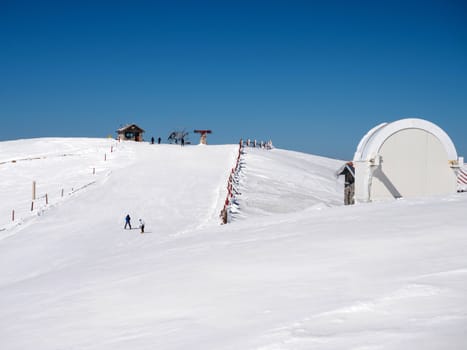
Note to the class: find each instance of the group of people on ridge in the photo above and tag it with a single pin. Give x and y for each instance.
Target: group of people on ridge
(128, 223)
(158, 140)
(255, 144)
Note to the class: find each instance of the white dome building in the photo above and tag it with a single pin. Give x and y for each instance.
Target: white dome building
(406, 158)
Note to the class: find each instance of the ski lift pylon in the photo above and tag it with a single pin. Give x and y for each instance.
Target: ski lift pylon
(203, 136)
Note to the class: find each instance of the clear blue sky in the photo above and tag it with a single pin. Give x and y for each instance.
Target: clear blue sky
(313, 76)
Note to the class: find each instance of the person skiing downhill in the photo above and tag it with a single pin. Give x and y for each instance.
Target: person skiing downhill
(127, 221)
(141, 225)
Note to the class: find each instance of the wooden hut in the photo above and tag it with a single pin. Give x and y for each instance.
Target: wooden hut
(130, 132)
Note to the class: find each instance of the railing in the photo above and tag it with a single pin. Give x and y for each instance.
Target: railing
(233, 183)
(462, 180)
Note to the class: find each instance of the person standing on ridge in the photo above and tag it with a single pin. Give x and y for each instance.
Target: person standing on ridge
(127, 221)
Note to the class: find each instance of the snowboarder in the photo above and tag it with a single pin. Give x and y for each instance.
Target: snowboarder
(127, 221)
(141, 225)
(349, 190)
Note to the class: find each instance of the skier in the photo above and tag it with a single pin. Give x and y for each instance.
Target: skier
(127, 221)
(141, 225)
(349, 189)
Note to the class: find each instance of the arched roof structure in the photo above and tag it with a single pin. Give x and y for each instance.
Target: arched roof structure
(371, 143)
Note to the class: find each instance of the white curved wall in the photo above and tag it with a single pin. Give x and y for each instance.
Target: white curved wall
(414, 163)
(406, 158)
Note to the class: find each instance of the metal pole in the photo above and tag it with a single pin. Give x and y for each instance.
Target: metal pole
(34, 190)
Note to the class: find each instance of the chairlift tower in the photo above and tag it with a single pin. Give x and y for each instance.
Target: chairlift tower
(203, 136)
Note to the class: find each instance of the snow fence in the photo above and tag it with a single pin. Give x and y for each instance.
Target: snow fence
(231, 205)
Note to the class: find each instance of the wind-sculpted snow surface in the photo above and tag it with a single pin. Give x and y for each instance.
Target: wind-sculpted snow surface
(294, 270)
(281, 182)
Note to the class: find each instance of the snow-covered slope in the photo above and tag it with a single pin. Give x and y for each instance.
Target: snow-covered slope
(294, 270)
(282, 182)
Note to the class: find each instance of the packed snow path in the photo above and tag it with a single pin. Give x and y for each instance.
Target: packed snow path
(295, 270)
(153, 182)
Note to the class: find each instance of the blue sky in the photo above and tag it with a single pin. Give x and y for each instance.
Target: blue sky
(314, 76)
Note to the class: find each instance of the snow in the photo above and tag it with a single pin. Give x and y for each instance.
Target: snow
(295, 269)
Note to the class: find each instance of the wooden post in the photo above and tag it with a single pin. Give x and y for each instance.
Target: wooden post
(46, 199)
(32, 205)
(13, 215)
(34, 190)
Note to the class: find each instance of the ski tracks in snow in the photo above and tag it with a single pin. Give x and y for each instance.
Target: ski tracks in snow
(371, 324)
